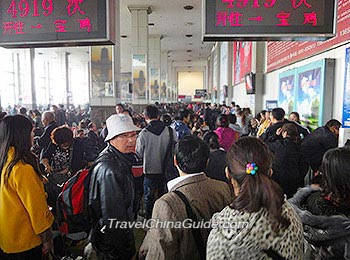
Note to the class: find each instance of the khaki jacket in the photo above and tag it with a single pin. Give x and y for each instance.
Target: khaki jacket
(206, 197)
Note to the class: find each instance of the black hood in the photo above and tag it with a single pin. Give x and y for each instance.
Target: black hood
(156, 127)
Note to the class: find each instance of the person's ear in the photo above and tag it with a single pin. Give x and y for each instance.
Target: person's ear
(270, 172)
(175, 161)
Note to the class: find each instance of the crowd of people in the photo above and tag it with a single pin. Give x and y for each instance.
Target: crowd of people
(216, 164)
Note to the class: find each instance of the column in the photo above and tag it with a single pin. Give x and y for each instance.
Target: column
(259, 62)
(139, 39)
(154, 61)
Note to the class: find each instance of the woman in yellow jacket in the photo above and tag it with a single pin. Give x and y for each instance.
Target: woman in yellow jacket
(25, 219)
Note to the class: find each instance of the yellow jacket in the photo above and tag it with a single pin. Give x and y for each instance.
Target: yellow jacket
(24, 213)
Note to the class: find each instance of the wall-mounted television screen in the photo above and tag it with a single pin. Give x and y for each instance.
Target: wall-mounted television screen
(250, 83)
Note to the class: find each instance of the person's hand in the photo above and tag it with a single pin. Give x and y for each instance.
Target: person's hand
(48, 169)
(279, 131)
(47, 247)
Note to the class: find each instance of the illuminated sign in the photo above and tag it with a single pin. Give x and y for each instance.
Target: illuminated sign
(268, 19)
(40, 23)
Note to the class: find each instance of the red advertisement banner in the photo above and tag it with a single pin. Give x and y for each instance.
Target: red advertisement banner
(280, 54)
(242, 61)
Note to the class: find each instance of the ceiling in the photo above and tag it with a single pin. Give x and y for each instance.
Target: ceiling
(172, 22)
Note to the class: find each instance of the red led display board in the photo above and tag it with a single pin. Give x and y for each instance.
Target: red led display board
(40, 23)
(226, 20)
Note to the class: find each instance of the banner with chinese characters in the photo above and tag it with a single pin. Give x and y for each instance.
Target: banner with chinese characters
(242, 61)
(286, 94)
(102, 71)
(226, 20)
(139, 75)
(56, 23)
(346, 98)
(154, 81)
(280, 54)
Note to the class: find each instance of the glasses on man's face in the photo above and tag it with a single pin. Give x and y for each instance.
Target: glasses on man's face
(128, 136)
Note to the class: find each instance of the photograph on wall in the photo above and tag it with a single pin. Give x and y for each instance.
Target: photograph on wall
(139, 75)
(346, 98)
(126, 86)
(309, 90)
(242, 61)
(154, 81)
(102, 71)
(286, 91)
(163, 87)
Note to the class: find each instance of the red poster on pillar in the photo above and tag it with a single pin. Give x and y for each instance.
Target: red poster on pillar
(242, 61)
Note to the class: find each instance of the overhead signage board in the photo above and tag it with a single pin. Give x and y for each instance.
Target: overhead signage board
(41, 23)
(261, 20)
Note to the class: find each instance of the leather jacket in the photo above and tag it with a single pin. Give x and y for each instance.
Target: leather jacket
(111, 196)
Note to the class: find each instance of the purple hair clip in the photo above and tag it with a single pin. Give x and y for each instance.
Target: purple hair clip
(251, 168)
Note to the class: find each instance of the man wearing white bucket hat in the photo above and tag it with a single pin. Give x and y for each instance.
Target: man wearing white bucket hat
(111, 192)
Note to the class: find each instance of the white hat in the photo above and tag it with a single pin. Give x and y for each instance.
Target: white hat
(119, 124)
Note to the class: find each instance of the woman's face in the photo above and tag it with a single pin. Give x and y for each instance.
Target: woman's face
(64, 146)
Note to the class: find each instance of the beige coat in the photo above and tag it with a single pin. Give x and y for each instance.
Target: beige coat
(206, 197)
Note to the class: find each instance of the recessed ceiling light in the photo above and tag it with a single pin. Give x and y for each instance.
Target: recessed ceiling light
(189, 60)
(188, 50)
(190, 43)
(151, 24)
(188, 35)
(188, 24)
(188, 7)
(123, 36)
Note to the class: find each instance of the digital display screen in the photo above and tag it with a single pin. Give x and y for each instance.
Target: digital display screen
(269, 19)
(55, 22)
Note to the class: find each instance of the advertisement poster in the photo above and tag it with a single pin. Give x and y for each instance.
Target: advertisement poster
(154, 81)
(139, 75)
(163, 87)
(126, 86)
(271, 104)
(223, 71)
(286, 91)
(242, 60)
(346, 99)
(309, 93)
(102, 71)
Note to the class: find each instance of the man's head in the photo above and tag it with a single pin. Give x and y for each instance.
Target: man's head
(23, 111)
(184, 115)
(277, 115)
(119, 108)
(191, 154)
(333, 125)
(122, 133)
(47, 118)
(151, 112)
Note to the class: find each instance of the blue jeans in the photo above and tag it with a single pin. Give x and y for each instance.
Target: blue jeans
(154, 188)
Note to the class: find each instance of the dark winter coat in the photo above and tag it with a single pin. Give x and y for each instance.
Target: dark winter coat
(328, 237)
(316, 145)
(289, 168)
(216, 165)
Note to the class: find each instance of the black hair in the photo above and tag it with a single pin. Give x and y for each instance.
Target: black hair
(23, 110)
(292, 131)
(296, 115)
(222, 120)
(336, 178)
(192, 154)
(256, 191)
(232, 118)
(151, 111)
(184, 113)
(166, 119)
(278, 113)
(15, 131)
(212, 139)
(333, 122)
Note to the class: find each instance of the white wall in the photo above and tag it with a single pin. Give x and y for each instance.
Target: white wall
(188, 82)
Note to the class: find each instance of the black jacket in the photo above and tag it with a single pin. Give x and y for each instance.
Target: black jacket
(111, 196)
(45, 139)
(270, 133)
(328, 237)
(216, 166)
(289, 168)
(316, 145)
